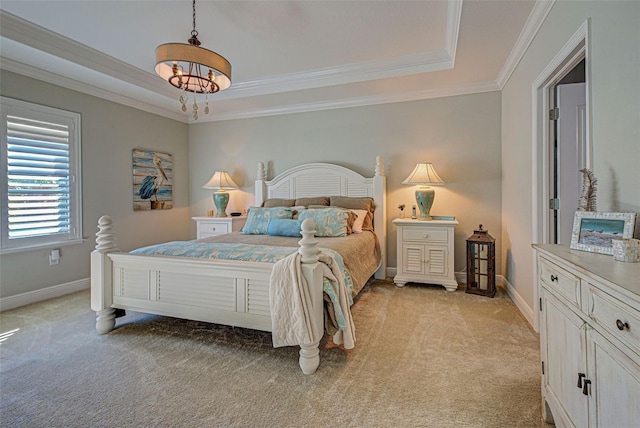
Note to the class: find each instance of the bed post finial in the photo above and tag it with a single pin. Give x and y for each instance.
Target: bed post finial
(379, 166)
(308, 246)
(260, 185)
(105, 238)
(262, 172)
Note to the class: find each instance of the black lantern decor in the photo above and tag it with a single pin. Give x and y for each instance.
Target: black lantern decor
(481, 263)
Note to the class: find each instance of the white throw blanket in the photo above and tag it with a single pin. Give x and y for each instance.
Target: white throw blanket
(292, 319)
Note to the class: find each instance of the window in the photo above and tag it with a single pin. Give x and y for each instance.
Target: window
(40, 181)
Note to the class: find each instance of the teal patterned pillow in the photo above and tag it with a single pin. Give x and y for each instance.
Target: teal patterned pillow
(258, 219)
(329, 221)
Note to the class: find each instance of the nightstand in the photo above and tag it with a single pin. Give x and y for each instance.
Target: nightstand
(425, 252)
(213, 226)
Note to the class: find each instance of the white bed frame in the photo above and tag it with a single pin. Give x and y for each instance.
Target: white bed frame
(225, 291)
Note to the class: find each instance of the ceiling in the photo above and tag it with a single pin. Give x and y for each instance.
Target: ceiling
(287, 56)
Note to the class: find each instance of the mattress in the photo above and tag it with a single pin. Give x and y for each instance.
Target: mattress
(360, 251)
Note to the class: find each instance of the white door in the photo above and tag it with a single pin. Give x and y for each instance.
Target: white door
(570, 157)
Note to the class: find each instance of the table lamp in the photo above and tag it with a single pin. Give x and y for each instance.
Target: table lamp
(424, 175)
(221, 181)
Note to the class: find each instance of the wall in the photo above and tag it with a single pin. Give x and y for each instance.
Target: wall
(460, 135)
(109, 132)
(614, 59)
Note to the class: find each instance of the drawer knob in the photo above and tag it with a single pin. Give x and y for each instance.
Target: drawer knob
(622, 325)
(426, 235)
(554, 278)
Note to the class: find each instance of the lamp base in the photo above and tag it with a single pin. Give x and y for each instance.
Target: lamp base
(220, 200)
(424, 199)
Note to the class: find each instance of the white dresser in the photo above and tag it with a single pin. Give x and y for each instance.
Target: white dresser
(425, 252)
(213, 226)
(589, 338)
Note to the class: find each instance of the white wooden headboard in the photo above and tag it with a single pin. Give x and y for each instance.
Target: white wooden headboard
(324, 179)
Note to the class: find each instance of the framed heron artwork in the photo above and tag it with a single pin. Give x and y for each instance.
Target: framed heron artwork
(152, 180)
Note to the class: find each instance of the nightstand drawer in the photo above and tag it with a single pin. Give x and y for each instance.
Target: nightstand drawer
(424, 234)
(560, 281)
(619, 319)
(213, 228)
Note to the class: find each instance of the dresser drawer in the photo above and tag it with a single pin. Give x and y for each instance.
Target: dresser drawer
(213, 228)
(424, 234)
(617, 318)
(560, 281)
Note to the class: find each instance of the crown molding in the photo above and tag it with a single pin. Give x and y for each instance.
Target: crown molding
(355, 102)
(343, 74)
(535, 20)
(42, 39)
(56, 79)
(454, 15)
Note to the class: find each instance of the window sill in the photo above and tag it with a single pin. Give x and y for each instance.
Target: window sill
(47, 246)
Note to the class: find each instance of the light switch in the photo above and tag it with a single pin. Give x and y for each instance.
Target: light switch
(54, 257)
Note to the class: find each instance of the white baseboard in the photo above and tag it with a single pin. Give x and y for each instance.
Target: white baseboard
(520, 303)
(43, 294)
(391, 272)
(526, 311)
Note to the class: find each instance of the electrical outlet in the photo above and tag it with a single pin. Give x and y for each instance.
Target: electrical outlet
(54, 257)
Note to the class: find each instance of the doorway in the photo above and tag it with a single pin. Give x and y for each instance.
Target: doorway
(570, 55)
(567, 151)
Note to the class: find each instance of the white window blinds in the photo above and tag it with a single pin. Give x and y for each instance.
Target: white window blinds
(41, 199)
(38, 177)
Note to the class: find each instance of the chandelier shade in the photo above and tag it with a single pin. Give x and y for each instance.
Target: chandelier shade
(191, 68)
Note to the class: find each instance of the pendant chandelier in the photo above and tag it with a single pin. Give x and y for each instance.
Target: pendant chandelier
(193, 69)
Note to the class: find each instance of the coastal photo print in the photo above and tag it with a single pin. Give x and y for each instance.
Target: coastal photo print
(152, 180)
(595, 231)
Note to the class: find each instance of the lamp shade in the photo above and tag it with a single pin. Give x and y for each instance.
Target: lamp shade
(221, 181)
(424, 174)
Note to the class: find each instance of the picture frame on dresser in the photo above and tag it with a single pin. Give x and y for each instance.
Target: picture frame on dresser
(594, 231)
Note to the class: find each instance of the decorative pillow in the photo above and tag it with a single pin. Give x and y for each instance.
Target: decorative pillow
(329, 221)
(284, 227)
(357, 225)
(271, 203)
(356, 203)
(350, 220)
(320, 200)
(258, 219)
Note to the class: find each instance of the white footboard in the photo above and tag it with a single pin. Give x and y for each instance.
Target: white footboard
(218, 291)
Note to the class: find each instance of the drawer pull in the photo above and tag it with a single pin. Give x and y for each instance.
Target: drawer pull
(554, 278)
(580, 376)
(622, 325)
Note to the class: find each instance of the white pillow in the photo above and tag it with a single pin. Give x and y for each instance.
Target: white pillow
(357, 225)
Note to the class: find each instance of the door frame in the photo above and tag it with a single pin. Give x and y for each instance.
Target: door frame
(574, 51)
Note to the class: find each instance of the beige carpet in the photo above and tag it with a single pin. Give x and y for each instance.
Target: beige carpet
(423, 358)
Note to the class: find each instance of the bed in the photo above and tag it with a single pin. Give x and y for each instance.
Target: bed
(233, 292)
